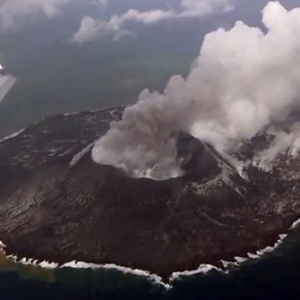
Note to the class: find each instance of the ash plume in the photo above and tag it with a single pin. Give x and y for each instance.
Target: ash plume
(243, 79)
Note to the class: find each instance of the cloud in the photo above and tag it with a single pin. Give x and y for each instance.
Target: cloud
(91, 28)
(101, 2)
(204, 7)
(14, 12)
(243, 79)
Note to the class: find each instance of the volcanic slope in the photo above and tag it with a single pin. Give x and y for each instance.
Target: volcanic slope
(57, 204)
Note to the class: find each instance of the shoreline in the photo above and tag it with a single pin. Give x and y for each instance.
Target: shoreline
(166, 282)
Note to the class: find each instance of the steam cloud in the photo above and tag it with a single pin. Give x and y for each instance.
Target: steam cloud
(242, 80)
(91, 28)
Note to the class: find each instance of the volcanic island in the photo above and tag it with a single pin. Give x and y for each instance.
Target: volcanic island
(58, 205)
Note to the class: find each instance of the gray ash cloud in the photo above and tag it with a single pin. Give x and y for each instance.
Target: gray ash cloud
(243, 79)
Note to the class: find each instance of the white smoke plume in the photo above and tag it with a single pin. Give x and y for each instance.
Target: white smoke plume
(242, 80)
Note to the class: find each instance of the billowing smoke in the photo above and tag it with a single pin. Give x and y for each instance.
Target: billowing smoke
(243, 79)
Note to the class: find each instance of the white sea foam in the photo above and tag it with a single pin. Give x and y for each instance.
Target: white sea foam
(226, 264)
(204, 269)
(82, 265)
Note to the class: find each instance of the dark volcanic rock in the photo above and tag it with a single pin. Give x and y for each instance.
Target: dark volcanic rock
(197, 162)
(57, 204)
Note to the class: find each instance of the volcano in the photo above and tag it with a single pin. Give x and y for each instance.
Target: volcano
(57, 204)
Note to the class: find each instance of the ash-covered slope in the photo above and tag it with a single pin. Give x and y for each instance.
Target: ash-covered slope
(57, 204)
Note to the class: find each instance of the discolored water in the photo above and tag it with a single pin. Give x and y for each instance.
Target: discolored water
(275, 276)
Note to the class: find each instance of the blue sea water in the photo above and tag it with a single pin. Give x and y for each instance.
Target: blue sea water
(275, 276)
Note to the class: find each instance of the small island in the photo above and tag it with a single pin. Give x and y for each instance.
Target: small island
(57, 204)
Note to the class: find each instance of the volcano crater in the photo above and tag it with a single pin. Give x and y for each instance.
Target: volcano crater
(57, 204)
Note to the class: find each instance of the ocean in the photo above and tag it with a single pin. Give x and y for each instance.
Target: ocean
(276, 275)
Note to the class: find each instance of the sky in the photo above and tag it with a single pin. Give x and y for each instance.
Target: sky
(71, 55)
